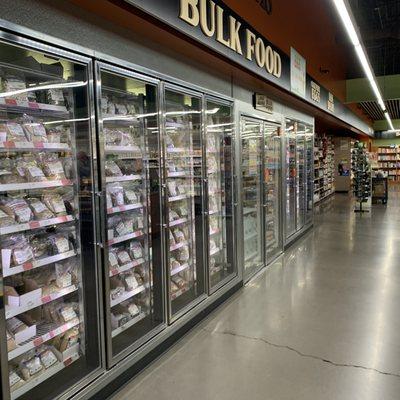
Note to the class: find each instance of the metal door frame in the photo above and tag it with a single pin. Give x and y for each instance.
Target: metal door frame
(124, 73)
(30, 44)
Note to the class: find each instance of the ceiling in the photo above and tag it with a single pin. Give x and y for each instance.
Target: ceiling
(379, 24)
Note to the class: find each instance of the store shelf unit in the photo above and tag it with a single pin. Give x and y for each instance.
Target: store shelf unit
(324, 166)
(389, 161)
(46, 208)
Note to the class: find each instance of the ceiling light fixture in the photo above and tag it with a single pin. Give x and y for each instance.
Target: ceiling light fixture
(344, 12)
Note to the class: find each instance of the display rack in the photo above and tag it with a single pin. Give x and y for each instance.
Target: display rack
(389, 161)
(324, 167)
(361, 170)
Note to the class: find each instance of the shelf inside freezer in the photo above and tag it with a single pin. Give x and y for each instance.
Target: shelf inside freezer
(124, 238)
(179, 269)
(214, 251)
(178, 245)
(13, 311)
(128, 325)
(45, 332)
(9, 187)
(132, 150)
(32, 107)
(178, 198)
(123, 178)
(32, 146)
(126, 207)
(179, 221)
(214, 231)
(37, 263)
(127, 295)
(126, 267)
(48, 373)
(35, 224)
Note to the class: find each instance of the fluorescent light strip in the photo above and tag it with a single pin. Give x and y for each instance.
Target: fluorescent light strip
(347, 21)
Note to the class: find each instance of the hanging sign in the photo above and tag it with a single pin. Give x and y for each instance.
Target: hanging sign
(263, 103)
(297, 73)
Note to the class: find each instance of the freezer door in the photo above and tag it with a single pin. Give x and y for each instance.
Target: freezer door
(184, 223)
(252, 195)
(272, 182)
(301, 176)
(129, 162)
(310, 173)
(47, 240)
(219, 176)
(291, 178)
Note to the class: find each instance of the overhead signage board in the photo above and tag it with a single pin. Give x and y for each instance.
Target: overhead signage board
(216, 26)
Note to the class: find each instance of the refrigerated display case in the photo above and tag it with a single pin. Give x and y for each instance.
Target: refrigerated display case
(183, 211)
(272, 185)
(252, 195)
(219, 194)
(299, 164)
(50, 322)
(129, 174)
(291, 178)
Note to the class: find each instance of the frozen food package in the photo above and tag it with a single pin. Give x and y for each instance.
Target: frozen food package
(112, 258)
(29, 169)
(11, 345)
(130, 196)
(179, 236)
(68, 166)
(67, 312)
(182, 188)
(15, 380)
(15, 325)
(59, 243)
(30, 365)
(173, 215)
(179, 281)
(14, 83)
(121, 108)
(130, 281)
(54, 134)
(17, 209)
(54, 203)
(136, 250)
(55, 96)
(174, 263)
(172, 188)
(130, 222)
(117, 287)
(52, 166)
(47, 357)
(15, 132)
(5, 219)
(171, 239)
(40, 211)
(117, 194)
(69, 339)
(183, 254)
(34, 130)
(130, 167)
(104, 104)
(183, 211)
(108, 200)
(118, 225)
(117, 320)
(21, 251)
(123, 257)
(112, 169)
(174, 287)
(65, 273)
(39, 244)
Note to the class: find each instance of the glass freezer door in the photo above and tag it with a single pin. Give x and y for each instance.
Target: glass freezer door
(301, 176)
(272, 180)
(291, 178)
(128, 132)
(252, 192)
(219, 166)
(310, 173)
(183, 200)
(48, 254)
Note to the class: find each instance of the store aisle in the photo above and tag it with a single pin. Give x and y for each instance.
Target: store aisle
(322, 323)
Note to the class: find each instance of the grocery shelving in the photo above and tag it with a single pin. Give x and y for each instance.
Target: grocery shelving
(324, 166)
(389, 161)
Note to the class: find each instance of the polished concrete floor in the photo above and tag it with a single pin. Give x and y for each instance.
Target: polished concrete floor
(322, 323)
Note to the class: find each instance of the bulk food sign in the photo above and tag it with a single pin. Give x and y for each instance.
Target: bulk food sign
(216, 26)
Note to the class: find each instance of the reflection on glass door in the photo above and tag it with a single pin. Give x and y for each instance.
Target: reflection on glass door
(129, 138)
(272, 180)
(252, 145)
(310, 172)
(301, 176)
(47, 240)
(184, 213)
(219, 166)
(291, 177)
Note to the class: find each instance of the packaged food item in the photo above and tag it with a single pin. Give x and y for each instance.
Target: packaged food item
(15, 325)
(18, 209)
(30, 170)
(174, 263)
(109, 200)
(67, 312)
(54, 134)
(130, 281)
(179, 236)
(15, 132)
(130, 196)
(8, 172)
(15, 380)
(59, 243)
(136, 250)
(40, 211)
(112, 258)
(116, 192)
(30, 365)
(121, 108)
(130, 308)
(181, 188)
(6, 220)
(65, 273)
(55, 96)
(34, 130)
(69, 339)
(104, 104)
(117, 287)
(139, 278)
(39, 245)
(47, 357)
(174, 287)
(183, 211)
(173, 215)
(183, 254)
(131, 222)
(21, 251)
(179, 281)
(112, 169)
(123, 257)
(11, 345)
(172, 189)
(118, 225)
(14, 83)
(130, 167)
(52, 166)
(54, 203)
(171, 239)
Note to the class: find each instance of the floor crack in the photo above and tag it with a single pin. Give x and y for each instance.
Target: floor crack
(301, 354)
